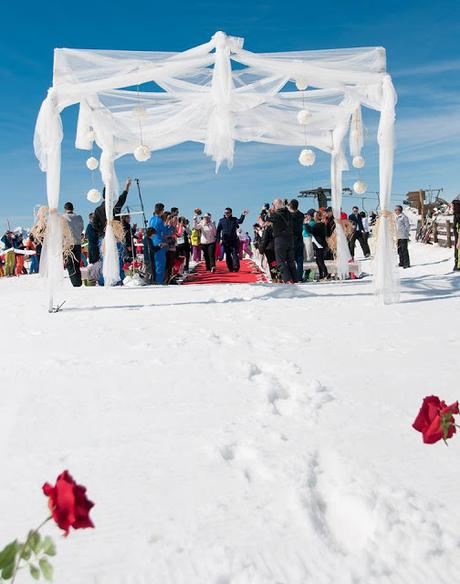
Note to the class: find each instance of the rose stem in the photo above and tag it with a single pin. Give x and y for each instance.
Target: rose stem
(29, 537)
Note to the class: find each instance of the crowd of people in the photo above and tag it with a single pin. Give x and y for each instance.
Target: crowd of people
(285, 240)
(160, 251)
(17, 246)
(289, 238)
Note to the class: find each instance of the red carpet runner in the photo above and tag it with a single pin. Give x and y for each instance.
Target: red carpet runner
(248, 274)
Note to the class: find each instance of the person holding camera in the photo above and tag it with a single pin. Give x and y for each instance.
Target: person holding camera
(227, 232)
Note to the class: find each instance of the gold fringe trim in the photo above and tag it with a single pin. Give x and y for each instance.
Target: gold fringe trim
(39, 230)
(348, 228)
(392, 225)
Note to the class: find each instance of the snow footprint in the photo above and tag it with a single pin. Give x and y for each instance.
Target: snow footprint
(313, 397)
(247, 460)
(390, 530)
(274, 389)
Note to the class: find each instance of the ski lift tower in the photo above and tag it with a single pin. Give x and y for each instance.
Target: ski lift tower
(323, 196)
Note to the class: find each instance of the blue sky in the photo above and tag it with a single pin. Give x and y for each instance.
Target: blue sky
(422, 39)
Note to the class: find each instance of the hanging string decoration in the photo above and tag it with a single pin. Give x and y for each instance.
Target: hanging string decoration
(91, 136)
(307, 157)
(141, 153)
(360, 187)
(358, 162)
(94, 196)
(92, 163)
(304, 117)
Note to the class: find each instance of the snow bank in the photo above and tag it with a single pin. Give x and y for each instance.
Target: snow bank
(237, 434)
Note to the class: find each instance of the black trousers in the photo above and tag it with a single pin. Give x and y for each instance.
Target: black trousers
(358, 235)
(149, 261)
(209, 253)
(231, 256)
(93, 252)
(319, 256)
(285, 258)
(456, 234)
(170, 257)
(403, 252)
(183, 249)
(73, 266)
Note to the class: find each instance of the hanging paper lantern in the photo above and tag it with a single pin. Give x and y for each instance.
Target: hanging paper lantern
(91, 136)
(358, 162)
(140, 112)
(307, 157)
(94, 196)
(301, 83)
(304, 117)
(92, 163)
(360, 187)
(142, 153)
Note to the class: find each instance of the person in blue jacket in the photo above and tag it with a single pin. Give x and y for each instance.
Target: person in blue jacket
(227, 234)
(158, 239)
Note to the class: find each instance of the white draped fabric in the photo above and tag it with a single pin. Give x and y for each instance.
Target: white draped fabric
(197, 95)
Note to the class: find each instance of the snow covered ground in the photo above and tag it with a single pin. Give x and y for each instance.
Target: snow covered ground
(237, 434)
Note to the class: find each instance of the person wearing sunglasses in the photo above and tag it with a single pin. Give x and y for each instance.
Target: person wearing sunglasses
(227, 233)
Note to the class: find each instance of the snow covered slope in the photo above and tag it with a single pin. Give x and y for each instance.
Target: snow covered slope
(237, 434)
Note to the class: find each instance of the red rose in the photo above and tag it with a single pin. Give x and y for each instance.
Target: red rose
(435, 420)
(68, 503)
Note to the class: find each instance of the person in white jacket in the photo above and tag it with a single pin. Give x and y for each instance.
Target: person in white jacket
(207, 229)
(402, 235)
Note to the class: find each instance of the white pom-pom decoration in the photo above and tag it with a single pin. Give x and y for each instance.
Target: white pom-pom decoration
(94, 196)
(301, 83)
(358, 162)
(91, 136)
(139, 112)
(142, 153)
(307, 157)
(360, 187)
(92, 163)
(304, 117)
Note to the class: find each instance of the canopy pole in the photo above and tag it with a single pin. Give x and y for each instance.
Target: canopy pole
(343, 256)
(386, 276)
(110, 265)
(47, 142)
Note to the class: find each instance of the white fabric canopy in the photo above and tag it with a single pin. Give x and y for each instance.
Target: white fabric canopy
(197, 95)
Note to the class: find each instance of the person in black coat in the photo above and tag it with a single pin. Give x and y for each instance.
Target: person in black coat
(297, 232)
(329, 222)
(91, 236)
(227, 233)
(128, 238)
(456, 212)
(358, 234)
(318, 231)
(267, 248)
(281, 219)
(99, 217)
(149, 255)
